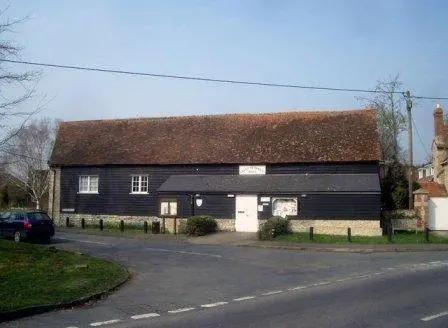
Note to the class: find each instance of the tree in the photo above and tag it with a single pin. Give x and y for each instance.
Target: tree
(389, 102)
(29, 151)
(16, 88)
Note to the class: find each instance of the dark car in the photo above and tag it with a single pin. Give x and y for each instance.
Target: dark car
(26, 224)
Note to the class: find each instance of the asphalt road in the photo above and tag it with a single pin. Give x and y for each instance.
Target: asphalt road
(177, 284)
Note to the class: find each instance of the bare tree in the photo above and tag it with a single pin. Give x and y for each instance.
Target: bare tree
(391, 121)
(28, 154)
(16, 87)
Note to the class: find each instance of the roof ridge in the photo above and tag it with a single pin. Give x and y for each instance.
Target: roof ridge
(245, 114)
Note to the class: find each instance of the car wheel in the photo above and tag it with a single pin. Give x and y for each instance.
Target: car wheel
(17, 236)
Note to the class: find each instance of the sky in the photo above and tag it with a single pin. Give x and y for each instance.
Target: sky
(342, 44)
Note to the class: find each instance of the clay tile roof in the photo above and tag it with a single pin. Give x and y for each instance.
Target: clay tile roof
(287, 137)
(434, 189)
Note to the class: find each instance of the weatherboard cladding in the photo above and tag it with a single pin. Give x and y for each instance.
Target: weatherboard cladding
(114, 196)
(274, 183)
(288, 137)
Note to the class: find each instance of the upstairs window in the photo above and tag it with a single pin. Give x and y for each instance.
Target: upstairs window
(139, 184)
(88, 184)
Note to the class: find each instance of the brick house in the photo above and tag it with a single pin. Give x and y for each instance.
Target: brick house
(435, 187)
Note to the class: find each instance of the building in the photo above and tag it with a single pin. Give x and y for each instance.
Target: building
(426, 171)
(318, 168)
(431, 201)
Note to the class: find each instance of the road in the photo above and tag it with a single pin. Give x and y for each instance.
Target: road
(177, 284)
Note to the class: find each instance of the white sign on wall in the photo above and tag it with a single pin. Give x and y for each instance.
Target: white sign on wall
(284, 206)
(252, 169)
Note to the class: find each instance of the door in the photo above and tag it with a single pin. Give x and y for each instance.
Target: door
(438, 213)
(10, 224)
(4, 220)
(246, 213)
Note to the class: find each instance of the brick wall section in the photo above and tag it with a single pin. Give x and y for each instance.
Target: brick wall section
(54, 193)
(335, 227)
(445, 170)
(421, 199)
(75, 219)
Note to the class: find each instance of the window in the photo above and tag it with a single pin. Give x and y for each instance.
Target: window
(284, 207)
(168, 207)
(88, 184)
(139, 184)
(38, 216)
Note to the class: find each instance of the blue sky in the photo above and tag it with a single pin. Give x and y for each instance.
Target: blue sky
(350, 44)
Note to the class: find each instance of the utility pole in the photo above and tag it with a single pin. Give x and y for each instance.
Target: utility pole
(407, 96)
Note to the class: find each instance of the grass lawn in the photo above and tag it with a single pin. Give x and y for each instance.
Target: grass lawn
(401, 237)
(32, 275)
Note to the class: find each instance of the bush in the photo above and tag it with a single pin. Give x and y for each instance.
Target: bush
(200, 225)
(272, 228)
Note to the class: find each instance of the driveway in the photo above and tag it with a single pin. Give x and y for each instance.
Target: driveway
(178, 276)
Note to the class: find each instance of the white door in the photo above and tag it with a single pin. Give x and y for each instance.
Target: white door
(438, 213)
(246, 217)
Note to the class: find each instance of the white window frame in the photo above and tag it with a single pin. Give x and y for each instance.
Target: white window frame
(89, 189)
(169, 202)
(140, 187)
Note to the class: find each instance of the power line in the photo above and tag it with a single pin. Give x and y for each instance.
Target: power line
(206, 79)
(420, 137)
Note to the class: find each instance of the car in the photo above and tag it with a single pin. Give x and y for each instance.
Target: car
(26, 224)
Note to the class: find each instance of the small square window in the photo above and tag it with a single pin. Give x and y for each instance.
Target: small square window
(88, 184)
(139, 184)
(168, 207)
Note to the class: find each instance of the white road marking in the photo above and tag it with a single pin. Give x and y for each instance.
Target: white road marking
(83, 241)
(363, 276)
(344, 279)
(213, 304)
(145, 315)
(322, 283)
(182, 252)
(435, 316)
(102, 323)
(377, 273)
(272, 292)
(181, 310)
(297, 288)
(244, 298)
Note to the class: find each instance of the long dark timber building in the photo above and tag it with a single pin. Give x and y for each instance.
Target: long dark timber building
(317, 168)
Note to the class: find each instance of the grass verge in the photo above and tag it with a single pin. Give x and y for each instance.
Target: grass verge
(401, 237)
(36, 275)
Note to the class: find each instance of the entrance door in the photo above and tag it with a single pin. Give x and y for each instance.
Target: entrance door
(246, 217)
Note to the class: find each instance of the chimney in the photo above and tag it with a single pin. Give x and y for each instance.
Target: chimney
(439, 151)
(439, 124)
